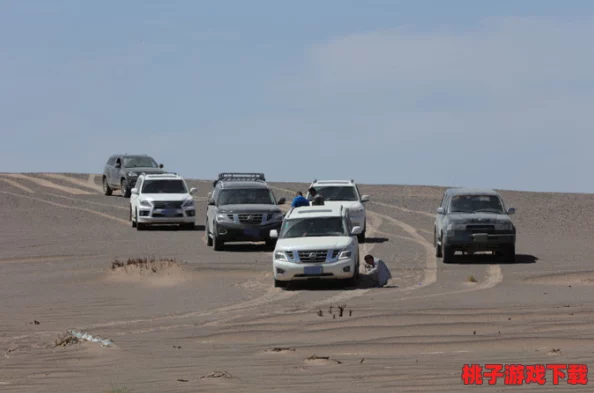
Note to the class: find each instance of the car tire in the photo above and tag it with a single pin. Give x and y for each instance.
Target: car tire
(189, 227)
(509, 253)
(208, 238)
(217, 244)
(361, 236)
(280, 284)
(438, 251)
(271, 243)
(448, 253)
(106, 188)
(132, 218)
(126, 192)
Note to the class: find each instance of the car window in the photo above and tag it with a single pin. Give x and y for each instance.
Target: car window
(246, 196)
(476, 204)
(338, 193)
(313, 227)
(163, 186)
(139, 162)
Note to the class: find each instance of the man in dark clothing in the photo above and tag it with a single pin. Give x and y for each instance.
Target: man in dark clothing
(315, 198)
(299, 200)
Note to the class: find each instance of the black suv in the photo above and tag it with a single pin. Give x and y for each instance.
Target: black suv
(121, 172)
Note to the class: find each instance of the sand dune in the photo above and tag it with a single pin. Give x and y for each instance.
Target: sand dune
(212, 321)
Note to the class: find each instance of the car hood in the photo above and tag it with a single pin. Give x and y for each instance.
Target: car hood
(151, 171)
(313, 243)
(346, 204)
(249, 208)
(165, 197)
(478, 218)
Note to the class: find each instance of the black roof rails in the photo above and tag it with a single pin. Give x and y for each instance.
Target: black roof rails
(240, 176)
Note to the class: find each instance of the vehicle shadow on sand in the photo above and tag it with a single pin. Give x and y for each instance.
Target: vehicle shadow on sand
(169, 228)
(364, 282)
(376, 240)
(487, 259)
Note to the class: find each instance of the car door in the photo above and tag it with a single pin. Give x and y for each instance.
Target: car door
(440, 219)
(134, 197)
(211, 210)
(115, 172)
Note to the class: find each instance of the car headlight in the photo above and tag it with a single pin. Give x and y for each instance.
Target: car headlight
(223, 217)
(188, 202)
(281, 256)
(357, 210)
(278, 216)
(345, 254)
(456, 227)
(132, 174)
(505, 225)
(145, 203)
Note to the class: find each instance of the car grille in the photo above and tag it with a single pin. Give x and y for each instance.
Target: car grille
(313, 256)
(480, 228)
(167, 204)
(250, 218)
(177, 215)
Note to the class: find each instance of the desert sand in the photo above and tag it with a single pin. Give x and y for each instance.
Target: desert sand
(196, 320)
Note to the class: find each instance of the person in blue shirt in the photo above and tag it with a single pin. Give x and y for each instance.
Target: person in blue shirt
(299, 200)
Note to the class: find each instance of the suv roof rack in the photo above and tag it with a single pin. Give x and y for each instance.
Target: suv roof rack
(240, 176)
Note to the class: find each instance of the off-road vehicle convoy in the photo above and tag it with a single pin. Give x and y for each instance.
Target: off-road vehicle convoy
(162, 199)
(346, 193)
(241, 207)
(316, 242)
(122, 170)
(473, 220)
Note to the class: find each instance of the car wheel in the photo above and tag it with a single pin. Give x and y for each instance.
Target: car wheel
(126, 192)
(208, 238)
(438, 252)
(217, 244)
(361, 236)
(509, 253)
(448, 253)
(106, 188)
(271, 243)
(190, 226)
(132, 218)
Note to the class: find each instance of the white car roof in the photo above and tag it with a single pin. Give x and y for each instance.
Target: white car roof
(333, 182)
(316, 211)
(164, 176)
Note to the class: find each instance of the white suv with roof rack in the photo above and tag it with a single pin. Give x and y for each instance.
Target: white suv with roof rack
(162, 199)
(316, 242)
(346, 193)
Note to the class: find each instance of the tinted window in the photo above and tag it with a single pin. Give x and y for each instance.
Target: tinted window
(139, 162)
(313, 227)
(476, 204)
(163, 187)
(247, 196)
(338, 193)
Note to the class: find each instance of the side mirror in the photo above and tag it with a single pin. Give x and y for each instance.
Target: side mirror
(160, 165)
(440, 210)
(364, 198)
(193, 190)
(134, 191)
(356, 230)
(511, 211)
(273, 234)
(211, 202)
(282, 201)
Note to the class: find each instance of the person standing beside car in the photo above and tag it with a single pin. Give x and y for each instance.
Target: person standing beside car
(315, 198)
(299, 200)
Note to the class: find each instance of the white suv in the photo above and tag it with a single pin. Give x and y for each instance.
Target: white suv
(346, 193)
(316, 242)
(162, 199)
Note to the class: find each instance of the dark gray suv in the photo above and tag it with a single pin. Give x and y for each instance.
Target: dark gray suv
(121, 172)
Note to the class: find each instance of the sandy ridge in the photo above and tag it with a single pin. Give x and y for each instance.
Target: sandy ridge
(48, 184)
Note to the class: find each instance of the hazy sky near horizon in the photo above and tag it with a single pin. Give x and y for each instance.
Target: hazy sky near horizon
(495, 94)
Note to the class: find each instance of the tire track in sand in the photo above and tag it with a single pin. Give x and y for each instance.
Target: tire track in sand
(18, 185)
(75, 181)
(49, 184)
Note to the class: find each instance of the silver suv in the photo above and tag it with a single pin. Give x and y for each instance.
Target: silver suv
(473, 220)
(241, 207)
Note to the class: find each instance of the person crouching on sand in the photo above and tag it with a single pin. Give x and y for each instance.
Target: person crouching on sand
(377, 270)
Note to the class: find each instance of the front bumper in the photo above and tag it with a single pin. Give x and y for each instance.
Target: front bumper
(289, 271)
(231, 232)
(183, 215)
(480, 241)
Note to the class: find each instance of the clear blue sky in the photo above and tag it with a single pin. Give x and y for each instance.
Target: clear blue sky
(465, 93)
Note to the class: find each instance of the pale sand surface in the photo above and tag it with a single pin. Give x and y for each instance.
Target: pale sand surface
(219, 312)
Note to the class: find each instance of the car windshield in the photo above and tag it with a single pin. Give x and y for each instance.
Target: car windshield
(313, 227)
(139, 162)
(338, 193)
(247, 196)
(164, 187)
(476, 204)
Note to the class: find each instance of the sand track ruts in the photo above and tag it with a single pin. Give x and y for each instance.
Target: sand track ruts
(48, 184)
(78, 182)
(18, 185)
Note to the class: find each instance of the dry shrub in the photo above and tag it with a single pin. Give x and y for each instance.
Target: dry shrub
(148, 264)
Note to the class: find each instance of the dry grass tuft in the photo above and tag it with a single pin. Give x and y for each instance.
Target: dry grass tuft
(217, 374)
(66, 340)
(147, 264)
(472, 279)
